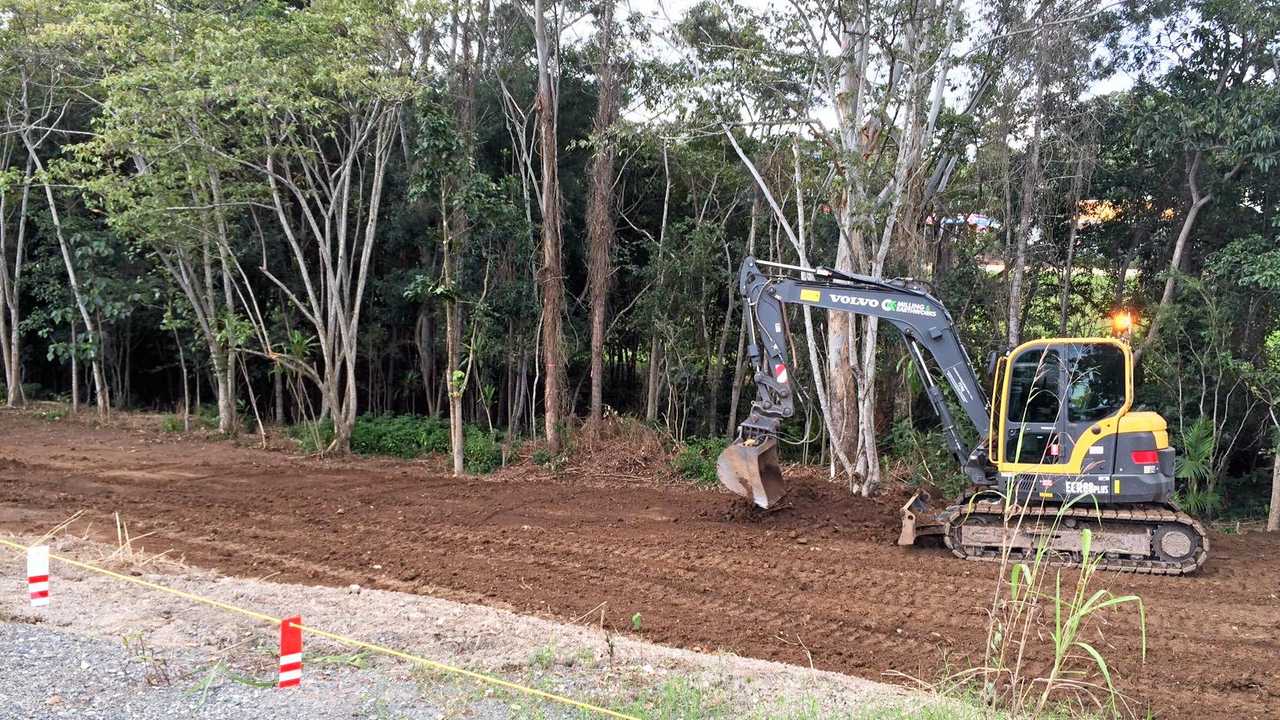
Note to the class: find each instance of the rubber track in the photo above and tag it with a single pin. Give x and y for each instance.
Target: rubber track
(1141, 514)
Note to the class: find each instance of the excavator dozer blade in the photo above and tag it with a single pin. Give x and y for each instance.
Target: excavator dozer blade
(750, 468)
(915, 526)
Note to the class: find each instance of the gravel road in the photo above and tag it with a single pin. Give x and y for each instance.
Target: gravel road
(55, 674)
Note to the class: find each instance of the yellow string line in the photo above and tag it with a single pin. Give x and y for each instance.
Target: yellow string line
(352, 642)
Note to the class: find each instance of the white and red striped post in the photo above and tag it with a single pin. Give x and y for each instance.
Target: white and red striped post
(291, 652)
(38, 574)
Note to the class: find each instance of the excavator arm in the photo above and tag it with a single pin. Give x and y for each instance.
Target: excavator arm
(749, 467)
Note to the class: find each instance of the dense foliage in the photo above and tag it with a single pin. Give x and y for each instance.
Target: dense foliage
(331, 214)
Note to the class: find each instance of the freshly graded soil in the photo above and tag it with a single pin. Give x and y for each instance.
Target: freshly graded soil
(819, 580)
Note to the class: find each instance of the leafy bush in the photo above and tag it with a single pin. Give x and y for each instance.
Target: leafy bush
(404, 436)
(697, 460)
(206, 416)
(1201, 502)
(171, 424)
(1199, 493)
(481, 451)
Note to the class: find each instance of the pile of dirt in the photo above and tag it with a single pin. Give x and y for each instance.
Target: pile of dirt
(618, 449)
(814, 503)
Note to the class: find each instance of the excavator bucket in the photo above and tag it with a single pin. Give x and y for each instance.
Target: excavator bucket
(750, 468)
(916, 520)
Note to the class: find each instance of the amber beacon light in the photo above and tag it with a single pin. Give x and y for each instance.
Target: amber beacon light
(1121, 323)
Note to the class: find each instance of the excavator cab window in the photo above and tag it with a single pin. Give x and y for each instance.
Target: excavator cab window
(1057, 392)
(1097, 377)
(1035, 382)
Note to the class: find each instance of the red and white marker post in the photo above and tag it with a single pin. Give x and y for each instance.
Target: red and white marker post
(291, 652)
(38, 574)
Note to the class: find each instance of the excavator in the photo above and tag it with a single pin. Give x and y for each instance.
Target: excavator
(1059, 446)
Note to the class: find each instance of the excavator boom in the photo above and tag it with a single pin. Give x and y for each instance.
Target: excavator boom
(749, 467)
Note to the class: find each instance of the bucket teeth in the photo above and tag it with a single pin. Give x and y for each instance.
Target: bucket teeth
(750, 468)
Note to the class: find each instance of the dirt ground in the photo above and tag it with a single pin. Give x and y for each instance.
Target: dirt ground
(819, 581)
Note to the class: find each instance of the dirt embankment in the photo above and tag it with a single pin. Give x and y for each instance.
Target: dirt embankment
(819, 579)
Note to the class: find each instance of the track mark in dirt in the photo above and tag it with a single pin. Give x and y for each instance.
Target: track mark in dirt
(702, 570)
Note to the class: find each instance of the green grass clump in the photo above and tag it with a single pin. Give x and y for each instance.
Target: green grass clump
(696, 461)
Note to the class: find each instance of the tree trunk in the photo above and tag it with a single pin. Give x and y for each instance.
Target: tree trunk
(551, 275)
(715, 368)
(600, 230)
(75, 373)
(521, 390)
(10, 298)
(453, 356)
(1064, 302)
(842, 388)
(1027, 202)
(456, 230)
(101, 395)
(740, 359)
(1175, 262)
(1273, 517)
(223, 382)
(227, 421)
(654, 380)
(186, 387)
(277, 388)
(739, 370)
(1077, 189)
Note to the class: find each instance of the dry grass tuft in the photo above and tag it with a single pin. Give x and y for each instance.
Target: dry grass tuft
(125, 555)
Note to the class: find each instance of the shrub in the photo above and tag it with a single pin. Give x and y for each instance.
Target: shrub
(206, 416)
(696, 461)
(481, 451)
(172, 424)
(404, 436)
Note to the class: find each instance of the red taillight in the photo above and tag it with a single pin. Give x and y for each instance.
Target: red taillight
(1145, 457)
